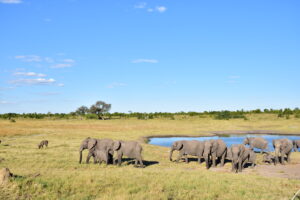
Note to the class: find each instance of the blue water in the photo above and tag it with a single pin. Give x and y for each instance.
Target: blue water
(232, 139)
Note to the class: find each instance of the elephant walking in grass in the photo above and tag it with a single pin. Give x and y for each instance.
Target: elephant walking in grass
(296, 144)
(214, 149)
(188, 147)
(240, 156)
(256, 142)
(130, 149)
(284, 148)
(93, 145)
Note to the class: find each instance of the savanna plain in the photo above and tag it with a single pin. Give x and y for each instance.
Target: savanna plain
(62, 177)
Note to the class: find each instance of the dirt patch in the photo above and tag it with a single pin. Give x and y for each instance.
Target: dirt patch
(290, 171)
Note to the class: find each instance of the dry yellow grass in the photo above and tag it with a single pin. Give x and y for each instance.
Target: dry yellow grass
(63, 178)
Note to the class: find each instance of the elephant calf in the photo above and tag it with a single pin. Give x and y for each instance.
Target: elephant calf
(213, 150)
(296, 144)
(268, 158)
(102, 156)
(240, 155)
(131, 149)
(43, 143)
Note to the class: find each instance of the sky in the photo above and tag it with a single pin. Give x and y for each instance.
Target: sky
(149, 56)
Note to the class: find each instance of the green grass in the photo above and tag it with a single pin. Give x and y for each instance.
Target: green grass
(63, 178)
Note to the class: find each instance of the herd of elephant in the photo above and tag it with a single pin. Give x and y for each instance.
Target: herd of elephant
(239, 154)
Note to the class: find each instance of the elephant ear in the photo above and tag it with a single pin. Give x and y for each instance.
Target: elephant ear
(179, 145)
(242, 149)
(91, 143)
(117, 145)
(215, 146)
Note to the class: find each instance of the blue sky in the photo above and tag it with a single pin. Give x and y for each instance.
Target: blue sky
(149, 56)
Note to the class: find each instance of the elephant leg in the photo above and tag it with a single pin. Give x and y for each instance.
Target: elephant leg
(179, 156)
(88, 158)
(282, 159)
(222, 160)
(199, 159)
(186, 159)
(289, 157)
(213, 157)
(233, 167)
(240, 166)
(135, 162)
(140, 161)
(119, 158)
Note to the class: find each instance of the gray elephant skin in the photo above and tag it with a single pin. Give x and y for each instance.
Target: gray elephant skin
(283, 147)
(268, 158)
(188, 147)
(93, 145)
(102, 156)
(240, 156)
(43, 143)
(214, 149)
(256, 142)
(296, 144)
(130, 149)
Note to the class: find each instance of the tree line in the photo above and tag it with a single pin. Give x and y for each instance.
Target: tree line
(100, 110)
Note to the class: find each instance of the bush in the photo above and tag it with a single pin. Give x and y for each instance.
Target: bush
(91, 116)
(226, 115)
(13, 120)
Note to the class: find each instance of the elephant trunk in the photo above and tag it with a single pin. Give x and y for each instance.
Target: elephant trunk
(206, 158)
(80, 153)
(295, 146)
(171, 153)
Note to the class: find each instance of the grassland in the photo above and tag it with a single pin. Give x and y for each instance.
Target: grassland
(61, 177)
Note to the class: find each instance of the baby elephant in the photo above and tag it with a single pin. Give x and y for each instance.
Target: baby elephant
(43, 143)
(268, 158)
(131, 149)
(240, 155)
(102, 156)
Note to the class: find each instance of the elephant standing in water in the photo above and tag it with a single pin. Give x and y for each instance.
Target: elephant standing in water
(214, 149)
(93, 145)
(284, 148)
(186, 147)
(131, 149)
(256, 142)
(296, 144)
(240, 155)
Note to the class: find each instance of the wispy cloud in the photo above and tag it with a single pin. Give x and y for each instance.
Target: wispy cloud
(61, 65)
(29, 74)
(161, 9)
(36, 81)
(60, 85)
(116, 84)
(140, 5)
(68, 60)
(48, 93)
(145, 61)
(6, 102)
(11, 1)
(29, 58)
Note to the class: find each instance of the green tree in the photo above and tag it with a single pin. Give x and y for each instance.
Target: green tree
(100, 108)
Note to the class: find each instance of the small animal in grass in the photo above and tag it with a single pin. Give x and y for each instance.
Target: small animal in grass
(268, 158)
(43, 143)
(0, 141)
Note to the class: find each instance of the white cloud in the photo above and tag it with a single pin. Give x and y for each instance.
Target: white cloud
(37, 81)
(29, 74)
(29, 58)
(145, 61)
(116, 84)
(11, 1)
(62, 65)
(5, 102)
(161, 9)
(60, 85)
(140, 5)
(48, 60)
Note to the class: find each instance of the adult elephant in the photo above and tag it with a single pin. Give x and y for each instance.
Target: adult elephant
(188, 147)
(256, 142)
(284, 148)
(296, 144)
(94, 145)
(240, 155)
(130, 149)
(214, 149)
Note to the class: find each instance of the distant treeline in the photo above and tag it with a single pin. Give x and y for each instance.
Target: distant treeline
(220, 115)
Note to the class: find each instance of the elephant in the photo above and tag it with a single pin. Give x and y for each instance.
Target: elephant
(131, 149)
(43, 143)
(214, 149)
(268, 158)
(188, 147)
(93, 145)
(282, 147)
(296, 144)
(240, 155)
(256, 142)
